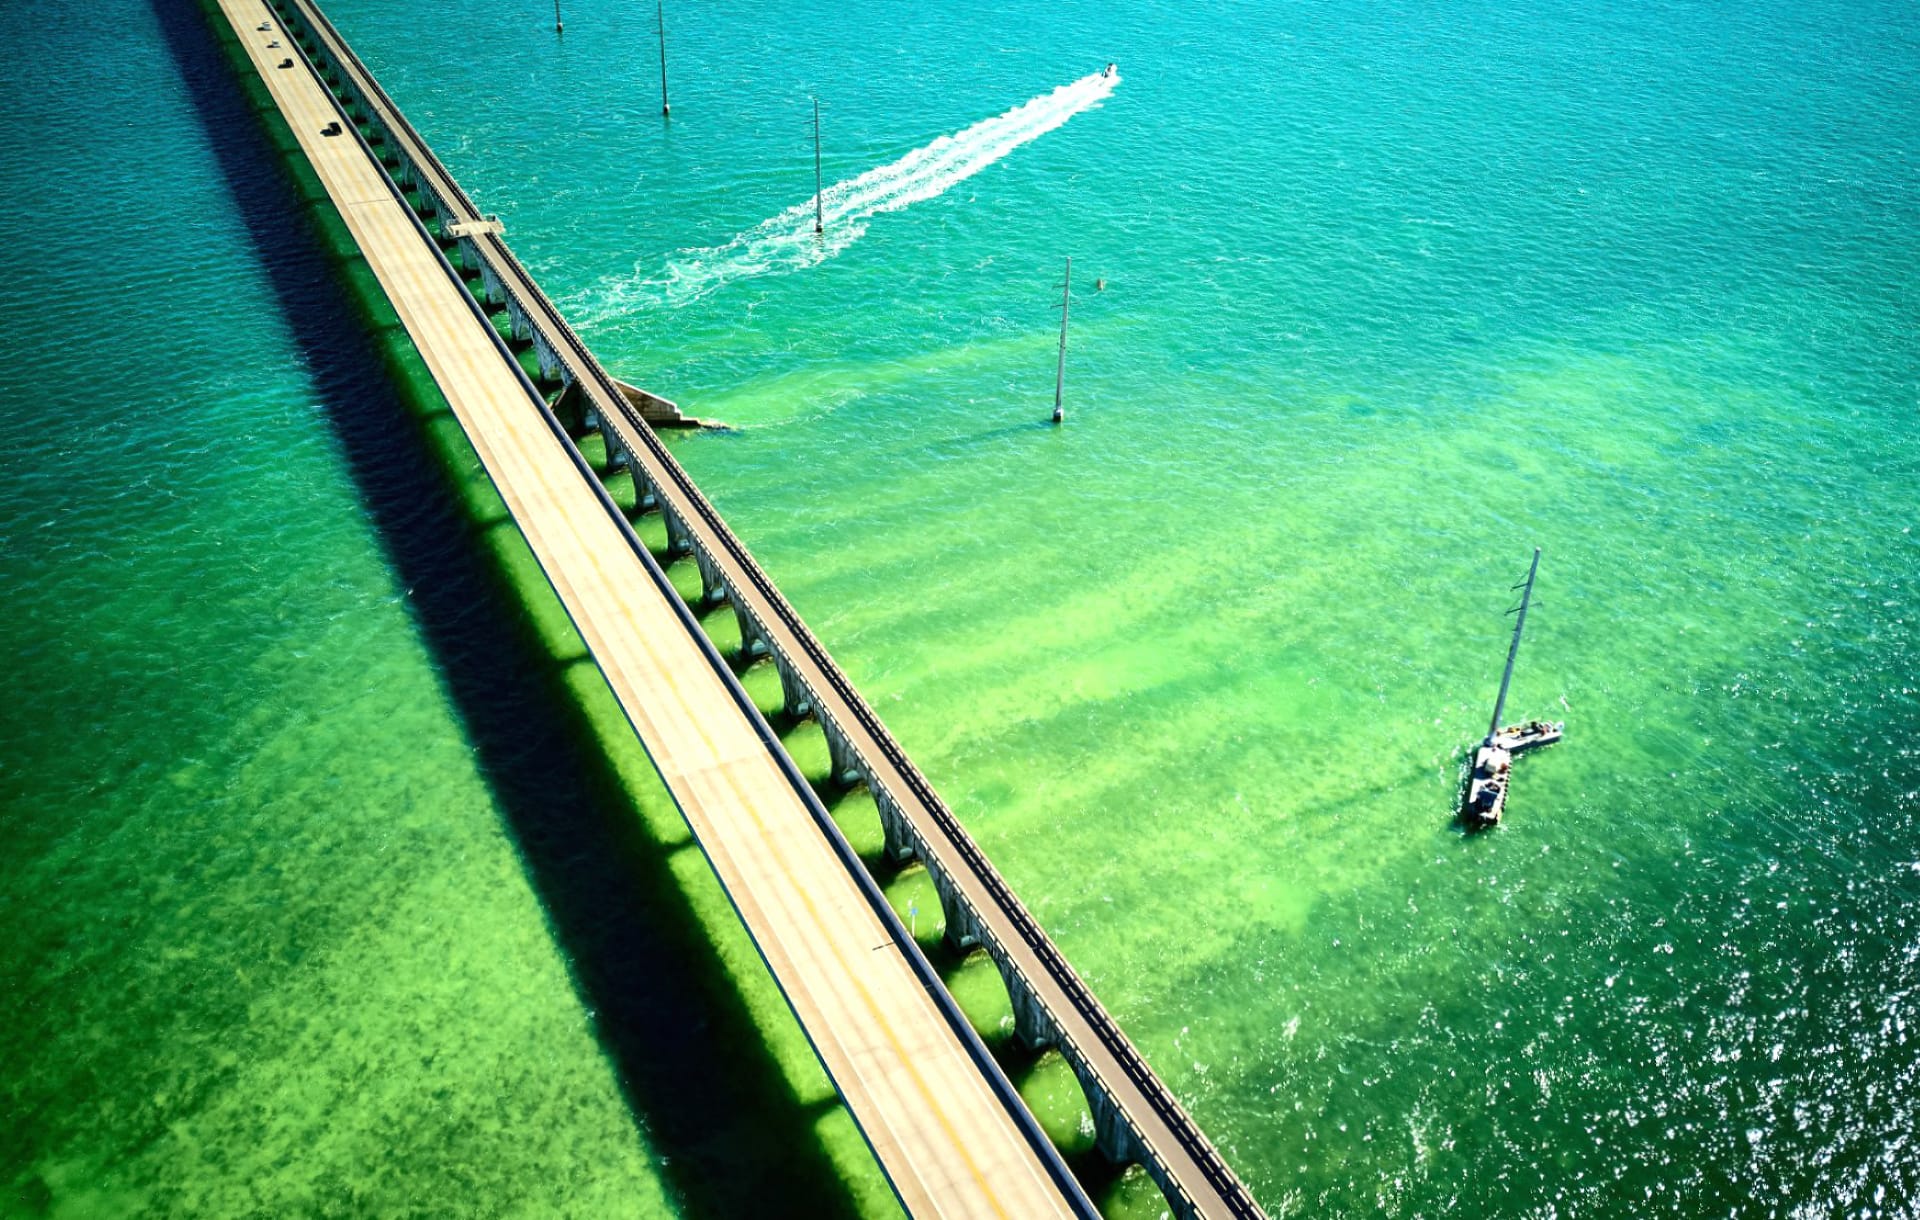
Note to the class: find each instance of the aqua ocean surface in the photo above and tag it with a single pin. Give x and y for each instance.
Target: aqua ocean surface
(1369, 300)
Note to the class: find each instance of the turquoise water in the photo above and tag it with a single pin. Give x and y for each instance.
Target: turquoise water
(321, 898)
(1391, 294)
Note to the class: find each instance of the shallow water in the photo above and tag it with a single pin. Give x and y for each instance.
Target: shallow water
(320, 898)
(1390, 295)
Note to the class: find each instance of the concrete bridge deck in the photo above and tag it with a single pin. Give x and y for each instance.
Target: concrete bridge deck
(944, 1138)
(1137, 1118)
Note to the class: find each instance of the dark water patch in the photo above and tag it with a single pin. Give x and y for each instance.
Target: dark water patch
(695, 1069)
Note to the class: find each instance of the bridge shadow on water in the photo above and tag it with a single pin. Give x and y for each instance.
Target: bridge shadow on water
(696, 1072)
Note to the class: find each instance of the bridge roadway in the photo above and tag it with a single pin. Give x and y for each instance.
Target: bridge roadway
(946, 1140)
(1137, 1118)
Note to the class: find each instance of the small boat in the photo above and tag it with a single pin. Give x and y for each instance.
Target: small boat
(1484, 795)
(1531, 735)
(1492, 766)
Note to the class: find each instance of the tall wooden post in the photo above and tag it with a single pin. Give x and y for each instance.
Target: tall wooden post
(660, 14)
(1060, 371)
(819, 207)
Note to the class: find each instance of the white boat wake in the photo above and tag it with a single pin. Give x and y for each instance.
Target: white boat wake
(787, 242)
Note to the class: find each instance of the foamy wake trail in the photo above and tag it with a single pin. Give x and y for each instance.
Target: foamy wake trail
(787, 242)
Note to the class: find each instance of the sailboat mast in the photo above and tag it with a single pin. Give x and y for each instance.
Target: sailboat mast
(1513, 651)
(819, 207)
(1060, 371)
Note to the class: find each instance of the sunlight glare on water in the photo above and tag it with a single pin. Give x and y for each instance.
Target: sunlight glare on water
(1388, 294)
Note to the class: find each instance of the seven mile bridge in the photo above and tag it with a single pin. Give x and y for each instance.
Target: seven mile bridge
(946, 1126)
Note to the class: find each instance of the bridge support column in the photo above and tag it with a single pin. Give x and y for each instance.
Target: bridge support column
(517, 321)
(1112, 1134)
(680, 540)
(898, 842)
(1030, 1021)
(962, 933)
(753, 641)
(429, 206)
(617, 455)
(792, 691)
(846, 763)
(490, 286)
(713, 586)
(645, 498)
(550, 367)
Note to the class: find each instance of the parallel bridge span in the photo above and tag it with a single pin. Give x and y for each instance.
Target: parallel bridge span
(1137, 1119)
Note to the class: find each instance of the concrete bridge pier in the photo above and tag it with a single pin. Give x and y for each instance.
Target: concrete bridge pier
(846, 760)
(1032, 1024)
(645, 497)
(355, 104)
(793, 692)
(680, 542)
(429, 206)
(895, 830)
(617, 455)
(713, 586)
(963, 932)
(753, 641)
(491, 289)
(518, 322)
(551, 367)
(1112, 1133)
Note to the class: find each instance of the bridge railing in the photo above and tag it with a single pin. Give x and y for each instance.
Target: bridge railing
(915, 816)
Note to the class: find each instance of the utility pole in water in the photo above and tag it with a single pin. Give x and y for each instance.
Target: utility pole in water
(1060, 371)
(558, 25)
(819, 207)
(660, 14)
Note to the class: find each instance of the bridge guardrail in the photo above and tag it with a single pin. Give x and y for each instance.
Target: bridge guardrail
(438, 186)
